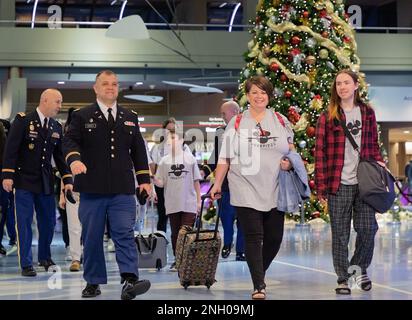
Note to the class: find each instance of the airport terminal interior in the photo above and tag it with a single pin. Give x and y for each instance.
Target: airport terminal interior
(184, 59)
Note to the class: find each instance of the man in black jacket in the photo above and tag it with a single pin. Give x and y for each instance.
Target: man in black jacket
(32, 141)
(106, 151)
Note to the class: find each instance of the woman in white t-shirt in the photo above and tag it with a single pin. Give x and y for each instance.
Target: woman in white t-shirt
(253, 148)
(179, 175)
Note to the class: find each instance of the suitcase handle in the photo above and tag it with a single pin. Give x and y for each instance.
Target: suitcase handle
(203, 198)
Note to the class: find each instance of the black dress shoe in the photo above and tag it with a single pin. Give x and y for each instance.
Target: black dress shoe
(46, 264)
(28, 272)
(226, 251)
(240, 256)
(91, 291)
(134, 287)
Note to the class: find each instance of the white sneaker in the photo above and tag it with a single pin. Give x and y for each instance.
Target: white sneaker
(12, 249)
(110, 246)
(68, 256)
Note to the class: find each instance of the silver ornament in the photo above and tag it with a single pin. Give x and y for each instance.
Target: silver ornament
(302, 144)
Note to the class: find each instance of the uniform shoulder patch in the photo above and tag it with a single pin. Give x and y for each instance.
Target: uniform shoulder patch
(134, 112)
(76, 109)
(22, 114)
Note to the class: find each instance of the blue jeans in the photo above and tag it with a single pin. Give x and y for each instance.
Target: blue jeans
(228, 215)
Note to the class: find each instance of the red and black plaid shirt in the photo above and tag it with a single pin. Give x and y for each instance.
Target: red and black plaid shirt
(330, 149)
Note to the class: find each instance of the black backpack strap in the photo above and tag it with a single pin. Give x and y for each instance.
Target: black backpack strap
(349, 136)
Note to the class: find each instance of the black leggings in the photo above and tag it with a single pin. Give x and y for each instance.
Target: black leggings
(263, 232)
(161, 210)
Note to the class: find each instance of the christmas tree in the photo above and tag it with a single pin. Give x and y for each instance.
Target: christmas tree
(300, 45)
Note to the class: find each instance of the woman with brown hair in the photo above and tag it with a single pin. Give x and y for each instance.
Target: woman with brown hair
(336, 163)
(253, 147)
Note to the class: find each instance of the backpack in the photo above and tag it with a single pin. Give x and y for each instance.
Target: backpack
(239, 117)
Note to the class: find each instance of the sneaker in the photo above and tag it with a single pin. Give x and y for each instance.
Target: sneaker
(68, 256)
(173, 267)
(134, 287)
(110, 246)
(3, 251)
(75, 266)
(364, 282)
(12, 250)
(226, 251)
(91, 291)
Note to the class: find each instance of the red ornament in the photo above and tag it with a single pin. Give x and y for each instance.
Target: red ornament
(295, 40)
(346, 39)
(325, 34)
(323, 13)
(288, 95)
(306, 14)
(310, 131)
(279, 40)
(283, 78)
(274, 67)
(257, 19)
(312, 151)
(312, 184)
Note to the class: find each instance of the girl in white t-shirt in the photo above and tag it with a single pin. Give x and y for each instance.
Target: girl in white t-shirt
(179, 175)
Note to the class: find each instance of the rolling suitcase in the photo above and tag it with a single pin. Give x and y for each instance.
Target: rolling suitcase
(197, 253)
(152, 248)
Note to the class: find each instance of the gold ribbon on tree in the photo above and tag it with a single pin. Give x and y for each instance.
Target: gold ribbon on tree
(327, 43)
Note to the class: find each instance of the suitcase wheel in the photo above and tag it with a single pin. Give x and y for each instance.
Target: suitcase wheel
(158, 264)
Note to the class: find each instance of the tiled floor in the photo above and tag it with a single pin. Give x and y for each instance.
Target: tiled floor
(302, 270)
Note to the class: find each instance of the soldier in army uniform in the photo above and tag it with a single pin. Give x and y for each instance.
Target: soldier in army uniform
(33, 140)
(105, 151)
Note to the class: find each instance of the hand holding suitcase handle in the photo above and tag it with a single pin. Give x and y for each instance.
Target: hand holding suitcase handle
(70, 197)
(142, 196)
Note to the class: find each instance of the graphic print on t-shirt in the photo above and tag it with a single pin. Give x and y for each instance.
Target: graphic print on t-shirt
(177, 170)
(261, 135)
(354, 127)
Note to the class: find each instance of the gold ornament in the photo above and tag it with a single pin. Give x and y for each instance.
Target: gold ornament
(310, 60)
(323, 54)
(312, 76)
(310, 168)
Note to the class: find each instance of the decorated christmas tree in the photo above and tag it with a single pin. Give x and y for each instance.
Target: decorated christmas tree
(300, 45)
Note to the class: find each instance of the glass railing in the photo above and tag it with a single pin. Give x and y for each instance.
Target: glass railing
(204, 27)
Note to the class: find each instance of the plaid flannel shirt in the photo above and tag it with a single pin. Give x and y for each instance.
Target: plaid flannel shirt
(330, 149)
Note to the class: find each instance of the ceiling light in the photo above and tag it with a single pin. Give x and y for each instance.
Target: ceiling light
(144, 98)
(61, 82)
(406, 131)
(205, 90)
(138, 83)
